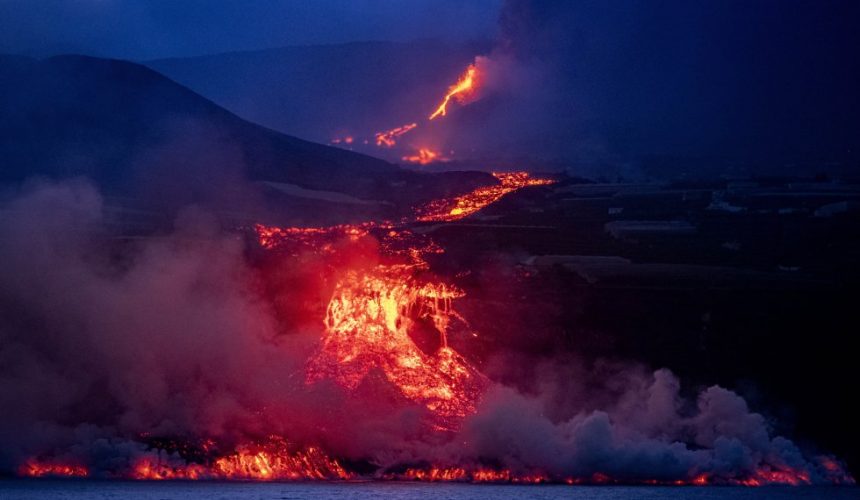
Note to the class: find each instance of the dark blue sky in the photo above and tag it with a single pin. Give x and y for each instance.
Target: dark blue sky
(144, 29)
(762, 82)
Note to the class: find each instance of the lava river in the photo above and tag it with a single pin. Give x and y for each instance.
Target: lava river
(368, 340)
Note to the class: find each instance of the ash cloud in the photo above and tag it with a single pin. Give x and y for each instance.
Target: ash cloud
(636, 84)
(129, 341)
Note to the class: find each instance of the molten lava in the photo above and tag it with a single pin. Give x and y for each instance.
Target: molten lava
(318, 239)
(373, 311)
(343, 140)
(761, 477)
(461, 91)
(452, 209)
(424, 156)
(367, 328)
(36, 468)
(272, 461)
(477, 475)
(764, 477)
(388, 138)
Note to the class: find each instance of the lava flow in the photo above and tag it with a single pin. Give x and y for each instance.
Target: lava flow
(342, 140)
(446, 210)
(368, 321)
(424, 156)
(385, 332)
(479, 475)
(317, 238)
(460, 91)
(463, 91)
(36, 468)
(272, 461)
(372, 311)
(388, 138)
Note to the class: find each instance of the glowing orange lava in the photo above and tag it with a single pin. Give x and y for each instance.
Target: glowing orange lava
(343, 140)
(473, 475)
(461, 91)
(367, 328)
(36, 468)
(479, 475)
(371, 316)
(388, 138)
(762, 477)
(768, 476)
(424, 156)
(316, 238)
(276, 460)
(272, 461)
(372, 311)
(463, 206)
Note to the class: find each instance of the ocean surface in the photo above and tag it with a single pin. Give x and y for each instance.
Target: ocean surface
(118, 490)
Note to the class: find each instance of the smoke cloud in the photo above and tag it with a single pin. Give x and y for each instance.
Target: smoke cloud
(607, 86)
(125, 339)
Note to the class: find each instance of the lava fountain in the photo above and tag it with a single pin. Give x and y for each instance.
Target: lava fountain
(462, 91)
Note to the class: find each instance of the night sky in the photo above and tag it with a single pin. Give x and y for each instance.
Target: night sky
(765, 83)
(149, 29)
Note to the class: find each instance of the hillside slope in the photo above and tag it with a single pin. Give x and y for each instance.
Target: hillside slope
(322, 91)
(135, 132)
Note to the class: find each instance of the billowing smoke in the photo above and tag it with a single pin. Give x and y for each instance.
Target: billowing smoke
(104, 340)
(98, 345)
(107, 343)
(648, 432)
(532, 105)
(609, 85)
